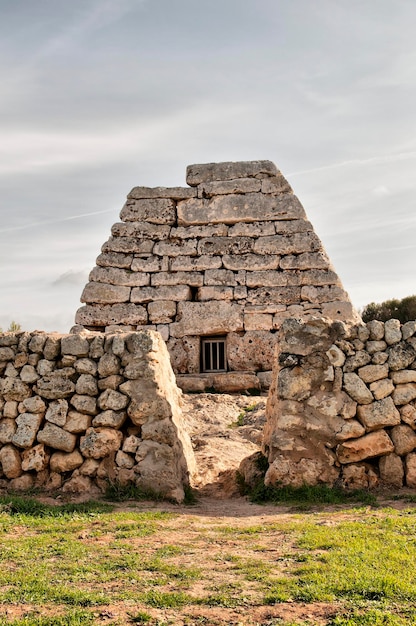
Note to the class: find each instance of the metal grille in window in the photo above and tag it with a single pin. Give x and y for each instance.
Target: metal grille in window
(213, 355)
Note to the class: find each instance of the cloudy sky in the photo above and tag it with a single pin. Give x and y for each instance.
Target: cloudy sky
(98, 96)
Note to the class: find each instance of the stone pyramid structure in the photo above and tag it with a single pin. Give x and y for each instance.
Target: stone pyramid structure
(215, 267)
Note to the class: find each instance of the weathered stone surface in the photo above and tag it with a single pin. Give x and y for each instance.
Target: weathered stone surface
(376, 329)
(176, 193)
(7, 430)
(105, 293)
(35, 459)
(115, 259)
(288, 244)
(358, 360)
(304, 471)
(176, 293)
(350, 429)
(336, 356)
(57, 412)
(404, 439)
(374, 444)
(27, 428)
(232, 382)
(140, 230)
(84, 404)
(34, 404)
(14, 389)
(154, 210)
(112, 400)
(10, 461)
(378, 414)
(253, 350)
(254, 262)
(117, 276)
(108, 365)
(403, 376)
(55, 437)
(391, 470)
(180, 247)
(410, 465)
(401, 355)
(359, 476)
(124, 460)
(10, 409)
(77, 422)
(110, 418)
(408, 330)
(408, 415)
(371, 373)
(101, 315)
(193, 279)
(100, 442)
(55, 386)
(357, 389)
(86, 385)
(392, 332)
(62, 462)
(229, 170)
(381, 388)
(403, 394)
(207, 318)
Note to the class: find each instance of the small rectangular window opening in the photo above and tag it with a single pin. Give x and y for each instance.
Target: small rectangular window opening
(213, 354)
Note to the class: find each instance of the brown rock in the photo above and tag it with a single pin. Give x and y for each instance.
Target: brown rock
(391, 470)
(404, 439)
(57, 438)
(10, 461)
(379, 414)
(62, 462)
(35, 459)
(374, 444)
(27, 428)
(100, 442)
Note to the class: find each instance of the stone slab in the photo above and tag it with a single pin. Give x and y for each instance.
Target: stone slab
(228, 170)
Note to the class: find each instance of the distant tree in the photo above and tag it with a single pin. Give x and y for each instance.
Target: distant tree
(14, 327)
(403, 310)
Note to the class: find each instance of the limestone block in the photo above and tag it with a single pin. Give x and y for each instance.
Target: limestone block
(154, 210)
(408, 330)
(104, 293)
(371, 373)
(84, 404)
(176, 293)
(357, 389)
(86, 385)
(62, 462)
(110, 382)
(10, 409)
(77, 422)
(229, 170)
(410, 469)
(359, 476)
(147, 264)
(193, 232)
(96, 315)
(124, 460)
(372, 445)
(288, 244)
(80, 484)
(225, 245)
(376, 329)
(27, 428)
(37, 342)
(219, 277)
(234, 382)
(403, 376)
(391, 470)
(10, 462)
(304, 471)
(253, 350)
(176, 193)
(108, 365)
(350, 429)
(256, 229)
(180, 247)
(266, 279)
(275, 184)
(115, 259)
(100, 442)
(112, 400)
(57, 412)
(339, 311)
(34, 404)
(373, 347)
(141, 230)
(55, 437)
(131, 443)
(265, 379)
(110, 418)
(85, 366)
(162, 311)
(117, 276)
(195, 383)
(197, 264)
(392, 332)
(403, 394)
(23, 483)
(6, 354)
(184, 354)
(401, 355)
(162, 431)
(128, 245)
(336, 356)
(240, 292)
(378, 414)
(55, 386)
(20, 360)
(233, 208)
(45, 367)
(251, 262)
(220, 187)
(197, 318)
(270, 295)
(7, 430)
(314, 277)
(408, 415)
(28, 374)
(215, 293)
(193, 279)
(35, 459)
(382, 388)
(379, 358)
(324, 294)
(404, 439)
(305, 261)
(258, 321)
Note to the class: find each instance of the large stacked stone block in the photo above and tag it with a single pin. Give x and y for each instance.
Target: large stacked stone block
(80, 411)
(231, 255)
(342, 405)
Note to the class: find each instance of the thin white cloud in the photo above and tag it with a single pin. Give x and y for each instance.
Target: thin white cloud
(376, 160)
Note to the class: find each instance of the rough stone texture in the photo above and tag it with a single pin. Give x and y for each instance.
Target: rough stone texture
(358, 427)
(96, 398)
(232, 253)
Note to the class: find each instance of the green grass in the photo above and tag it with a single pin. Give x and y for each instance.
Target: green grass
(309, 495)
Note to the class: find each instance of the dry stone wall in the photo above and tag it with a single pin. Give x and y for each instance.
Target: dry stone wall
(342, 406)
(231, 255)
(79, 411)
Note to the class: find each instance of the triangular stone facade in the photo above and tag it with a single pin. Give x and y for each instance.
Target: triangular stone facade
(227, 258)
